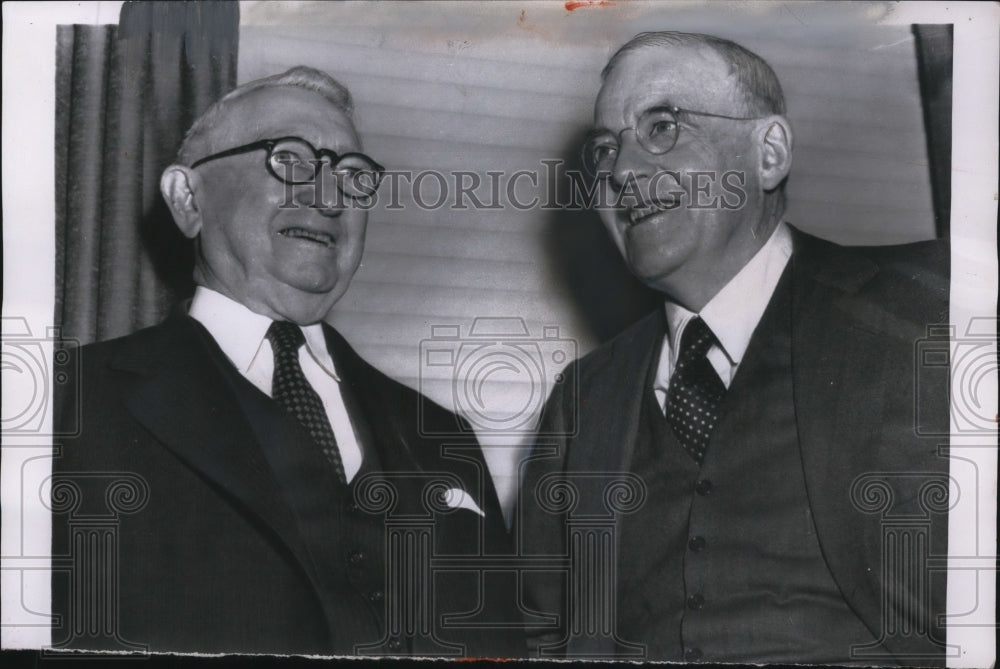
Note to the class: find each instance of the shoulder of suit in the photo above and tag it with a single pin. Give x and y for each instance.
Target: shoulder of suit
(931, 257)
(927, 258)
(909, 282)
(141, 347)
(386, 391)
(355, 369)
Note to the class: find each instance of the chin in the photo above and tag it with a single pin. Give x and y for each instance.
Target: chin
(650, 269)
(318, 280)
(302, 307)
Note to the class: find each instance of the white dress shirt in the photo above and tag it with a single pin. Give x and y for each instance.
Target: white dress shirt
(732, 315)
(241, 334)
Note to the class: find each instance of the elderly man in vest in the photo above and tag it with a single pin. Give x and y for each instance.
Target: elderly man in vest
(754, 417)
(269, 464)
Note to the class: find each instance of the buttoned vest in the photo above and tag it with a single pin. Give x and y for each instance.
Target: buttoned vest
(345, 544)
(722, 562)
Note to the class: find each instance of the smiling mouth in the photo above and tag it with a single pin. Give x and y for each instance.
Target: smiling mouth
(315, 236)
(637, 215)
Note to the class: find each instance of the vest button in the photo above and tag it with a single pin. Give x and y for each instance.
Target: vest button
(376, 596)
(696, 601)
(395, 643)
(696, 544)
(353, 508)
(357, 557)
(703, 487)
(692, 654)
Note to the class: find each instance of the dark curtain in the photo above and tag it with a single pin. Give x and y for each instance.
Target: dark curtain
(934, 67)
(125, 95)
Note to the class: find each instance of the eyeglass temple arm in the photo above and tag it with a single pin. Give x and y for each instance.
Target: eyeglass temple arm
(263, 144)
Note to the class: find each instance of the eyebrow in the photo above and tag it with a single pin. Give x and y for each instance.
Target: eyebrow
(661, 104)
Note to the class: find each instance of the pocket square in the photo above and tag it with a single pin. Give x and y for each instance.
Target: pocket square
(456, 498)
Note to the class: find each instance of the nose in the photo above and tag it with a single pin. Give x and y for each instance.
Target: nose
(632, 161)
(332, 206)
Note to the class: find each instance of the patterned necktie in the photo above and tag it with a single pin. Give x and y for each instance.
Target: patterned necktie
(291, 389)
(695, 391)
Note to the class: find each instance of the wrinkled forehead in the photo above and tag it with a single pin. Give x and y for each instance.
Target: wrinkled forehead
(688, 76)
(282, 111)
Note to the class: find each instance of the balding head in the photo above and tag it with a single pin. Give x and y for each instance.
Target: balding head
(755, 86)
(212, 130)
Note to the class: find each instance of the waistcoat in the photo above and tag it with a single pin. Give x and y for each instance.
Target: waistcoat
(722, 562)
(345, 544)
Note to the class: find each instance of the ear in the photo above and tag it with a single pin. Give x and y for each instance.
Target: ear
(179, 185)
(776, 152)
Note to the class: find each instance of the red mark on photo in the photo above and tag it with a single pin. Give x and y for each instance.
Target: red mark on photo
(577, 4)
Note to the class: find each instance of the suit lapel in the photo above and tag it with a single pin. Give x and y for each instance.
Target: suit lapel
(607, 437)
(388, 419)
(185, 402)
(380, 418)
(838, 380)
(608, 412)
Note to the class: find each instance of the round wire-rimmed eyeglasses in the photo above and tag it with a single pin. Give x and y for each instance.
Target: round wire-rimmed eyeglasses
(656, 131)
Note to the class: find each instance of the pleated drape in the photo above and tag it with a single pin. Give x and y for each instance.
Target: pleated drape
(125, 96)
(934, 67)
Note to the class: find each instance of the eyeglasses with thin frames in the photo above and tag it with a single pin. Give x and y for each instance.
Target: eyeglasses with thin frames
(656, 131)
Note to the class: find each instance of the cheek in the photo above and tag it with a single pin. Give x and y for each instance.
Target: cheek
(243, 203)
(355, 226)
(710, 154)
(741, 158)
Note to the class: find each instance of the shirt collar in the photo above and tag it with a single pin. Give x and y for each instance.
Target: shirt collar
(241, 333)
(735, 311)
(316, 345)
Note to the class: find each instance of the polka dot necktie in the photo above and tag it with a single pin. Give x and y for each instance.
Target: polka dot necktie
(291, 390)
(695, 391)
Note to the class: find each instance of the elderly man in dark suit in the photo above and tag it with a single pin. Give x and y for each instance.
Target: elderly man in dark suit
(758, 420)
(276, 493)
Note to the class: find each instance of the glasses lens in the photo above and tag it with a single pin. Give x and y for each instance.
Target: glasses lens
(657, 130)
(599, 154)
(357, 175)
(293, 161)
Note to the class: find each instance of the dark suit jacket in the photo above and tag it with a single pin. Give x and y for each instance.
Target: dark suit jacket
(858, 317)
(212, 559)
